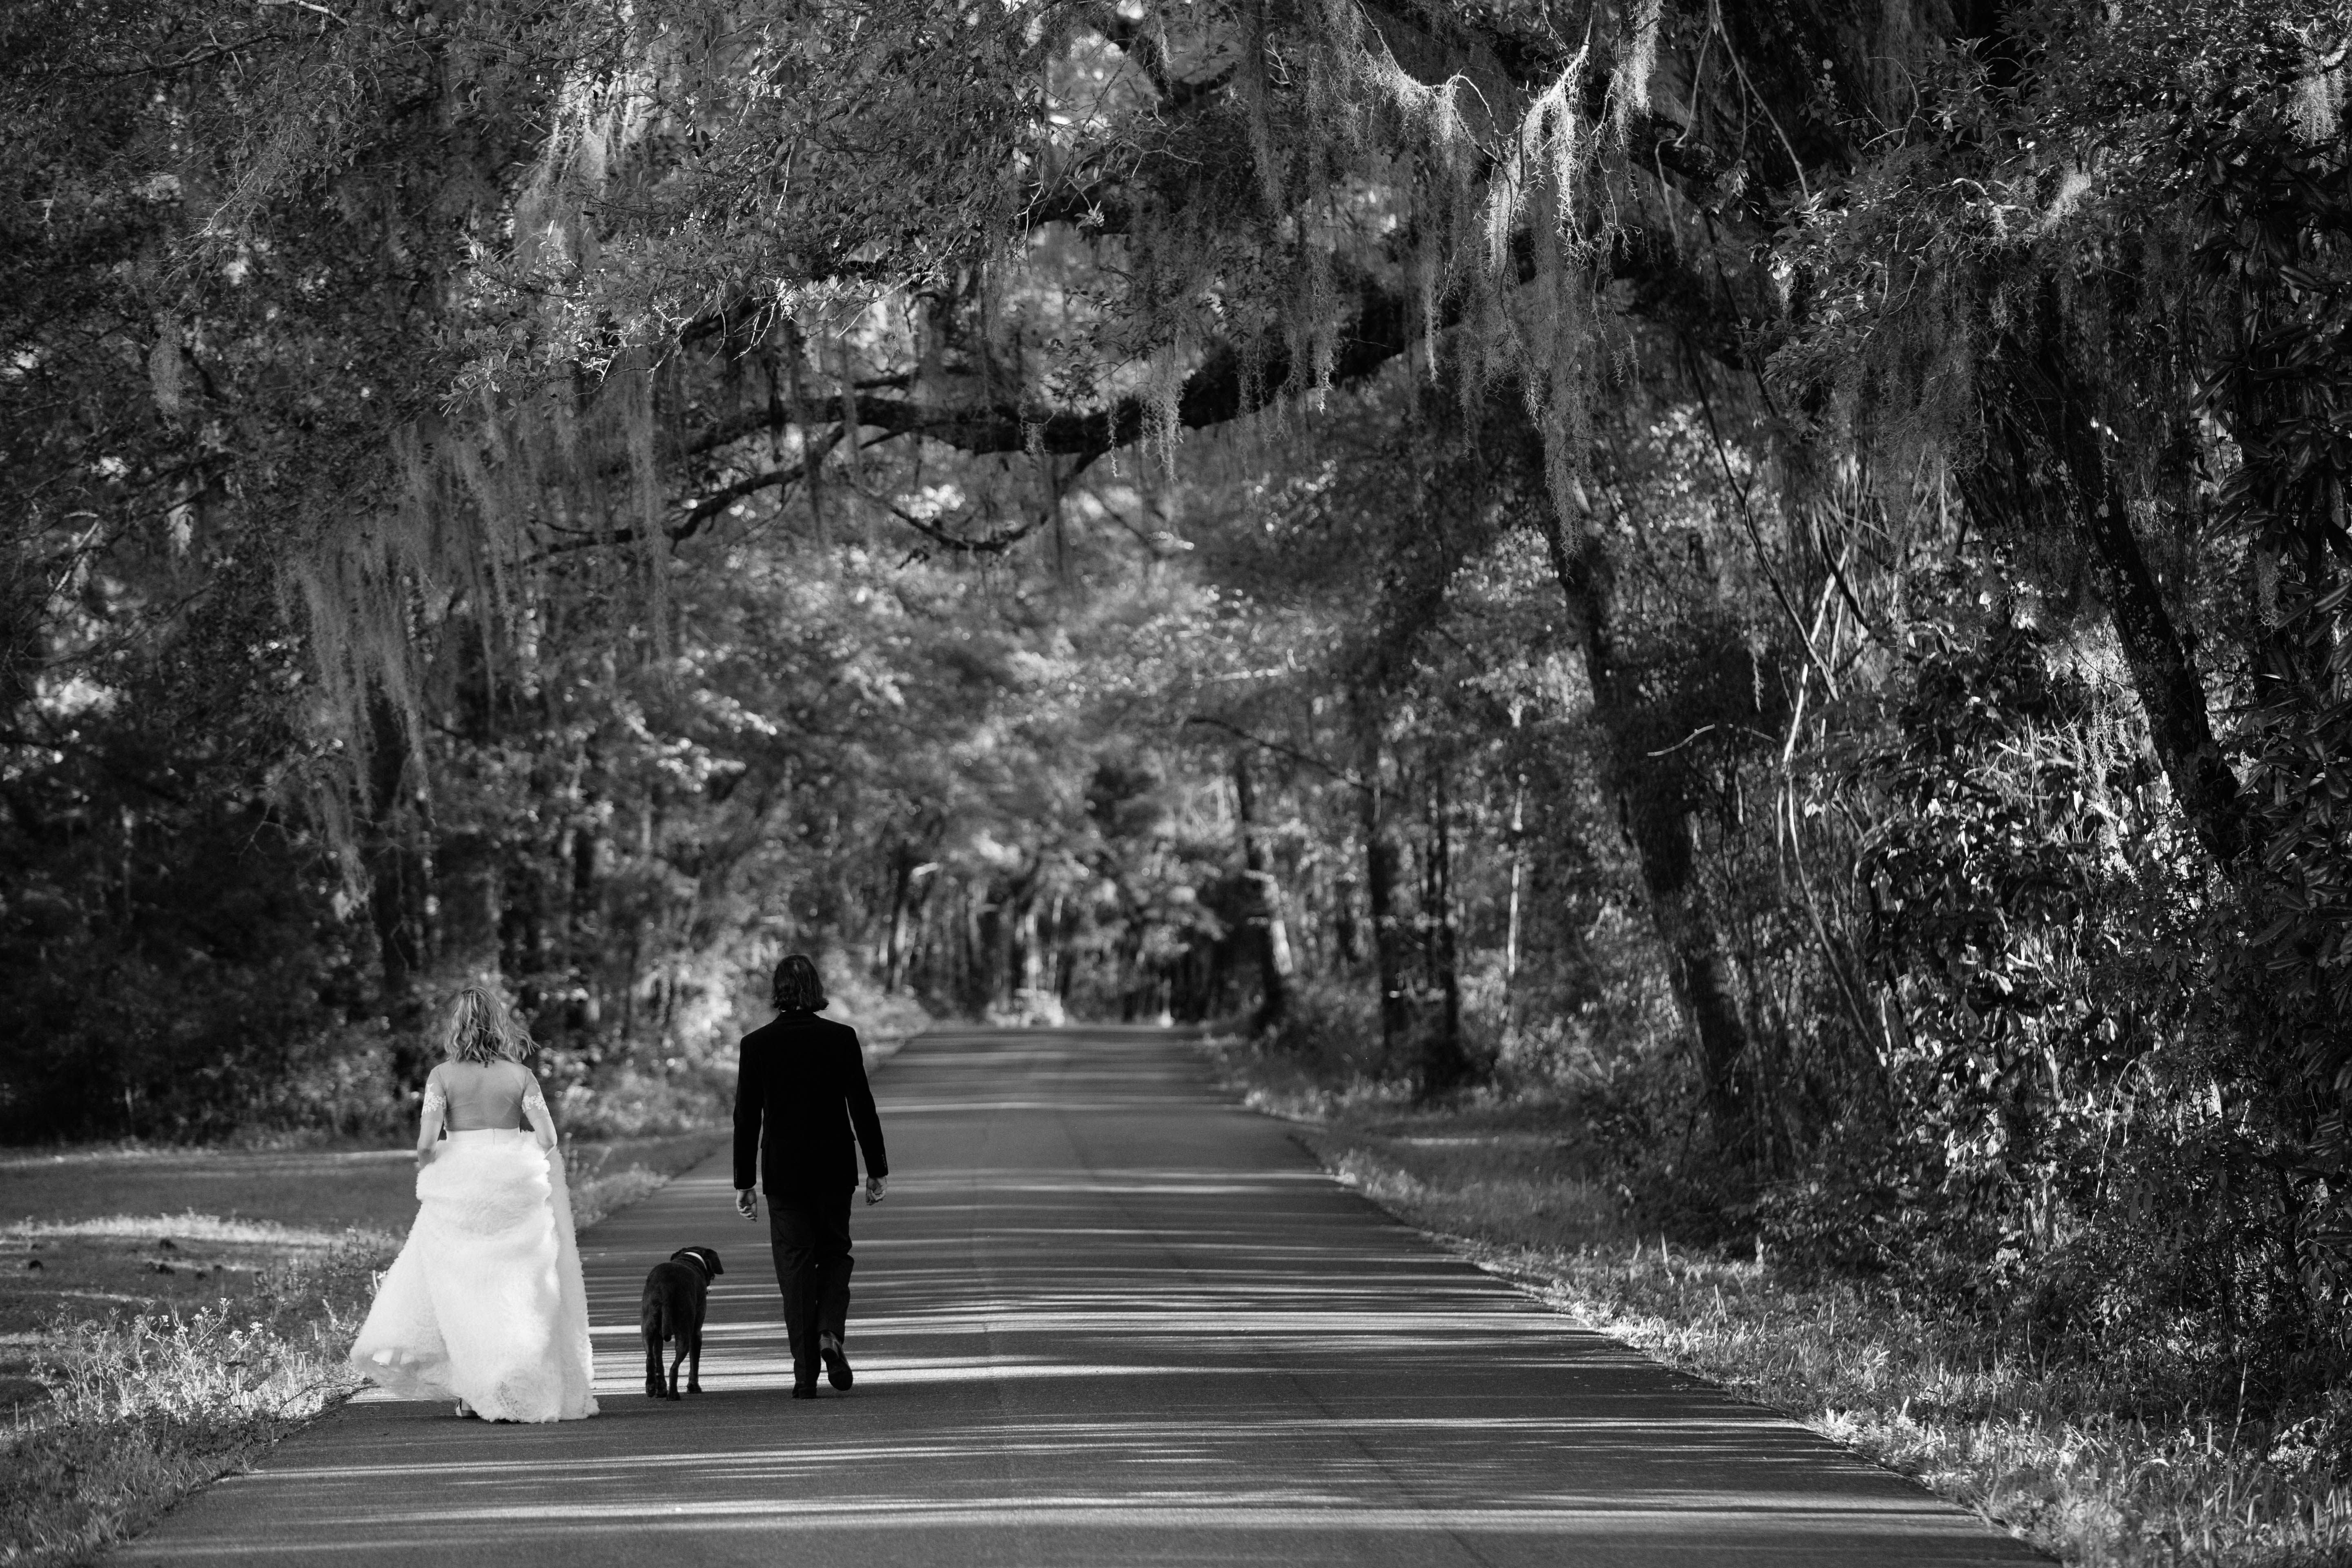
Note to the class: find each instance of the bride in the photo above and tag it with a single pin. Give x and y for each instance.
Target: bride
(484, 1305)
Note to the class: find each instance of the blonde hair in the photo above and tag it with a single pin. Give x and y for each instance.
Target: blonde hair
(479, 1027)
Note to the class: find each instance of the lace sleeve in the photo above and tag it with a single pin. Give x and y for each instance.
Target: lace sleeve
(534, 1103)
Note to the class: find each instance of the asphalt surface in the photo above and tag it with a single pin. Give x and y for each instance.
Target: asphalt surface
(1102, 1318)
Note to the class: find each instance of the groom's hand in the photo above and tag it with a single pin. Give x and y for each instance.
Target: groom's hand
(747, 1201)
(875, 1187)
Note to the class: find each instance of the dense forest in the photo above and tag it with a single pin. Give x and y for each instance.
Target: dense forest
(1775, 574)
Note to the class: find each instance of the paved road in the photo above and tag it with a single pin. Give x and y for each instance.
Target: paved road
(1102, 1318)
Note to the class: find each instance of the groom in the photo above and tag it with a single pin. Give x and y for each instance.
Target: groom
(801, 1091)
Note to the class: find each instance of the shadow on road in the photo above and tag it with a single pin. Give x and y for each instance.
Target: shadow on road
(1101, 1318)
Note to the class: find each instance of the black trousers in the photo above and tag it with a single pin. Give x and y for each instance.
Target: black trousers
(808, 1233)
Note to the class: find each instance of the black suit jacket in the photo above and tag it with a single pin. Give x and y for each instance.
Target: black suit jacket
(800, 1094)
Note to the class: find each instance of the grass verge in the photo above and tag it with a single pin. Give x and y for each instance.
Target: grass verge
(144, 1407)
(2062, 1455)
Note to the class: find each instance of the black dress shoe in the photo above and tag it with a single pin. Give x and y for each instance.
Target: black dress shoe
(804, 1391)
(836, 1363)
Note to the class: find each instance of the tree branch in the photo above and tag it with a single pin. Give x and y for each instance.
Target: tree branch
(995, 543)
(1277, 747)
(711, 505)
(719, 500)
(1105, 208)
(1216, 393)
(1142, 44)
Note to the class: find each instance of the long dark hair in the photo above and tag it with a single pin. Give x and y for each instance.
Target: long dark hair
(797, 988)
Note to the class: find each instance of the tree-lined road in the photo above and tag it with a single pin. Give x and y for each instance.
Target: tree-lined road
(1103, 1318)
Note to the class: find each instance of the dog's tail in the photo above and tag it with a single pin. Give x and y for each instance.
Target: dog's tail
(652, 1323)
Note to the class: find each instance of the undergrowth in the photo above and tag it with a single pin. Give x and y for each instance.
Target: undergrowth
(145, 1409)
(2065, 1451)
(2049, 1450)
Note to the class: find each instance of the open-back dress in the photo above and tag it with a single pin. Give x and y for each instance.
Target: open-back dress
(485, 1304)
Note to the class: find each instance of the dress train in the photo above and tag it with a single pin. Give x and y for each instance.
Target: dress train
(485, 1303)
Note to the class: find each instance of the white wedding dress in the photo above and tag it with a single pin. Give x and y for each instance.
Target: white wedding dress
(485, 1304)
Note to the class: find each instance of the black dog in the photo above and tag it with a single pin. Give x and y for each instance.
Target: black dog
(677, 1293)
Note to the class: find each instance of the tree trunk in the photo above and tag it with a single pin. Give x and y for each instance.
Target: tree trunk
(2039, 410)
(1444, 1062)
(1061, 932)
(1345, 938)
(921, 972)
(1268, 935)
(975, 985)
(1382, 863)
(2171, 692)
(991, 953)
(466, 880)
(902, 912)
(1026, 961)
(1651, 803)
(584, 934)
(1518, 875)
(398, 871)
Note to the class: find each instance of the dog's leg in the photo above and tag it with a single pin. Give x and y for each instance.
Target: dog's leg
(683, 1336)
(693, 1366)
(653, 1361)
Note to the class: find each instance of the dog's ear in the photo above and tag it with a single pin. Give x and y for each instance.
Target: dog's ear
(716, 1267)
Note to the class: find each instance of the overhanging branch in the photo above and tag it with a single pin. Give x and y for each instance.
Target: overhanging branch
(721, 500)
(1223, 388)
(1220, 391)
(711, 505)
